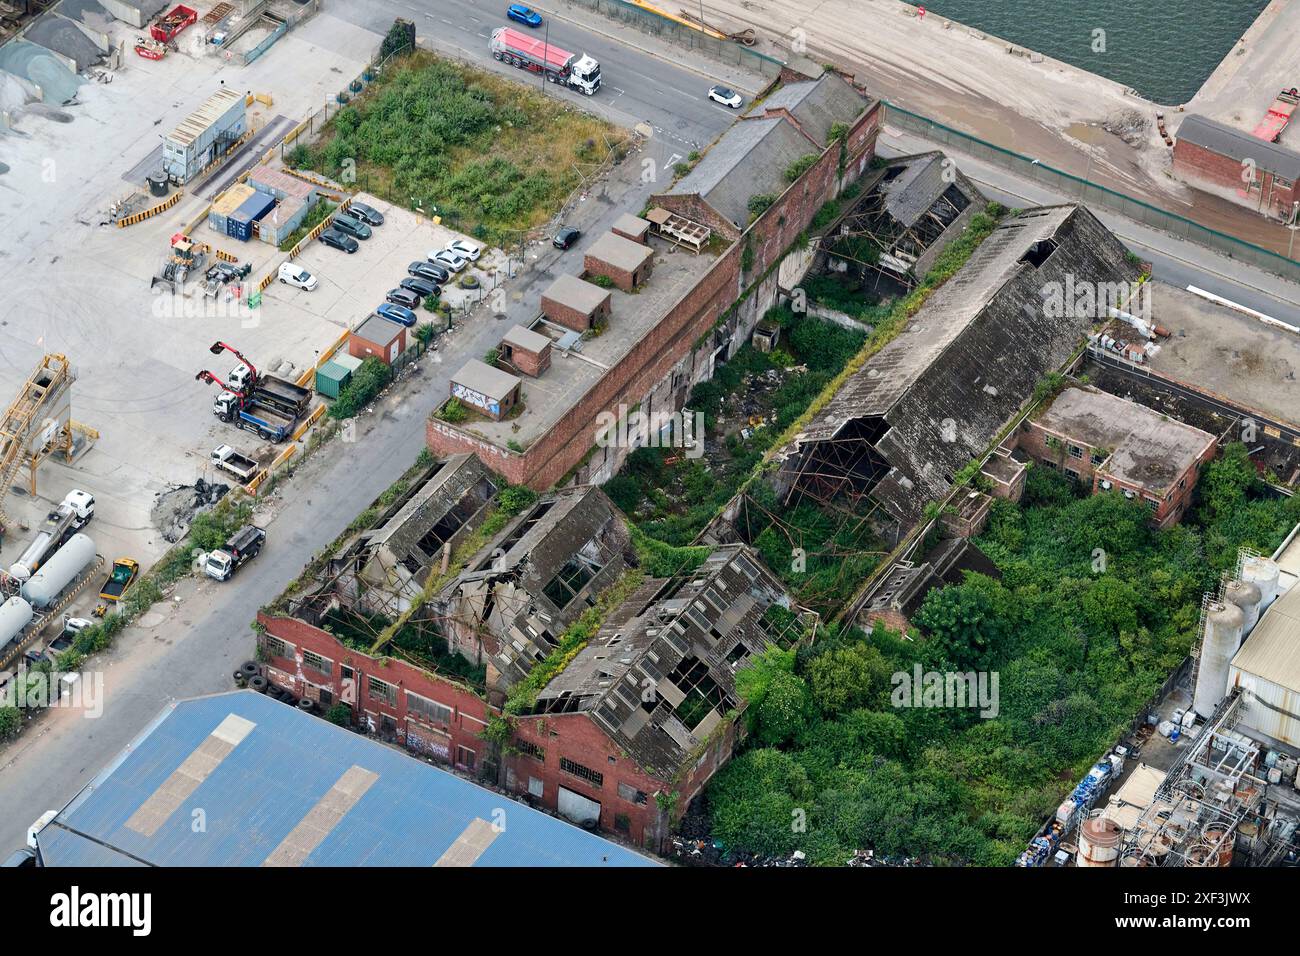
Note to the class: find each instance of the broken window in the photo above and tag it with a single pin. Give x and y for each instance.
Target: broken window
(1039, 252)
(430, 710)
(632, 795)
(578, 770)
(381, 690)
(530, 749)
(317, 663)
(575, 574)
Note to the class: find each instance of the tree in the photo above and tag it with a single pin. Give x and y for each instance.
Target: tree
(1227, 479)
(847, 677)
(785, 709)
(967, 622)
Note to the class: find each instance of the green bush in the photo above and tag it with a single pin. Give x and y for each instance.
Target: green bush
(453, 411)
(367, 382)
(800, 166)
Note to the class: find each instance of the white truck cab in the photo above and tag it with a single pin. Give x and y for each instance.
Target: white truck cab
(219, 565)
(82, 504)
(238, 377)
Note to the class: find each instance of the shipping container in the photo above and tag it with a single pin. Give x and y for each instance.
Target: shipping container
(331, 379)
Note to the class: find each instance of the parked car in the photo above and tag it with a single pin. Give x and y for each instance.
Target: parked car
(522, 14)
(421, 287)
(403, 297)
(366, 213)
(566, 237)
(332, 237)
(353, 227)
(725, 96)
(428, 270)
(448, 260)
(397, 313)
(296, 275)
(465, 249)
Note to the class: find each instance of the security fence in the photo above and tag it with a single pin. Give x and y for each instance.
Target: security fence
(1101, 197)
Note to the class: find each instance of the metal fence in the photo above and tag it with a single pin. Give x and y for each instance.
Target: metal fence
(1095, 195)
(726, 51)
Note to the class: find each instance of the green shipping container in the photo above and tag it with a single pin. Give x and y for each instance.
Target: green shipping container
(331, 378)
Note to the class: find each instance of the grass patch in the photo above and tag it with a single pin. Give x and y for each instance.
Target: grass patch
(491, 155)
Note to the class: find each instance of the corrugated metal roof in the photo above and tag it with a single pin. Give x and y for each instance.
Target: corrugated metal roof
(1272, 650)
(213, 108)
(232, 198)
(1236, 144)
(265, 767)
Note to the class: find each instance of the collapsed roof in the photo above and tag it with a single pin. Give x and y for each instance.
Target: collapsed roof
(936, 395)
(659, 676)
(531, 581)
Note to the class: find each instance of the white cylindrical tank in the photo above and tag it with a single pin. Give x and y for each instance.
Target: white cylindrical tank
(1099, 840)
(1263, 573)
(45, 586)
(1222, 637)
(15, 614)
(1246, 595)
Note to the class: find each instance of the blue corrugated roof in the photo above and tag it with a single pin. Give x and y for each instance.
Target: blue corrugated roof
(258, 792)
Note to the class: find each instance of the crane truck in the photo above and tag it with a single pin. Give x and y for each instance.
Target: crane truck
(267, 390)
(578, 71)
(231, 406)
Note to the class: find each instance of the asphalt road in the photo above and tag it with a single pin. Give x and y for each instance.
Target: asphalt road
(635, 86)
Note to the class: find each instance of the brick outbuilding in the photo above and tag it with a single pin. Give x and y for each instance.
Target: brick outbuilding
(486, 389)
(625, 263)
(1235, 164)
(526, 350)
(631, 227)
(575, 304)
(377, 337)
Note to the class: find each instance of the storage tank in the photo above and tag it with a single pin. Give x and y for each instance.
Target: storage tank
(1222, 637)
(15, 614)
(1263, 573)
(45, 586)
(1099, 840)
(1246, 595)
(1217, 836)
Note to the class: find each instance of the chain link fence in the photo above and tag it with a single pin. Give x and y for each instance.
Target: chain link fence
(1094, 195)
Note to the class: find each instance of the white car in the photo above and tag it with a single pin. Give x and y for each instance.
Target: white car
(297, 276)
(720, 94)
(448, 259)
(465, 249)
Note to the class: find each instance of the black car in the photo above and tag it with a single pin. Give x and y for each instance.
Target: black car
(403, 297)
(421, 287)
(428, 270)
(367, 214)
(352, 227)
(566, 237)
(332, 237)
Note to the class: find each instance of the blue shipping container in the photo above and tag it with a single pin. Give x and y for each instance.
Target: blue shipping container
(240, 222)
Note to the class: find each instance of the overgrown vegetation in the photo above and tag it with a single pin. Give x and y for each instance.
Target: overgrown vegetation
(1078, 652)
(491, 155)
(367, 381)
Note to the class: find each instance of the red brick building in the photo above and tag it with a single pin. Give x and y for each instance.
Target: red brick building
(389, 697)
(379, 338)
(622, 261)
(635, 726)
(1234, 164)
(528, 352)
(715, 317)
(1111, 444)
(575, 304)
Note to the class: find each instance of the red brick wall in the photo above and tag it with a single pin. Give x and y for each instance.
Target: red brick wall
(364, 348)
(622, 278)
(441, 740)
(529, 363)
(570, 317)
(1202, 166)
(576, 737)
(555, 454)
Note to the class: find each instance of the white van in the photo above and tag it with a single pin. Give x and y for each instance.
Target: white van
(297, 275)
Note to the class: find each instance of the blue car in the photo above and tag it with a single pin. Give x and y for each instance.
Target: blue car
(522, 14)
(397, 313)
